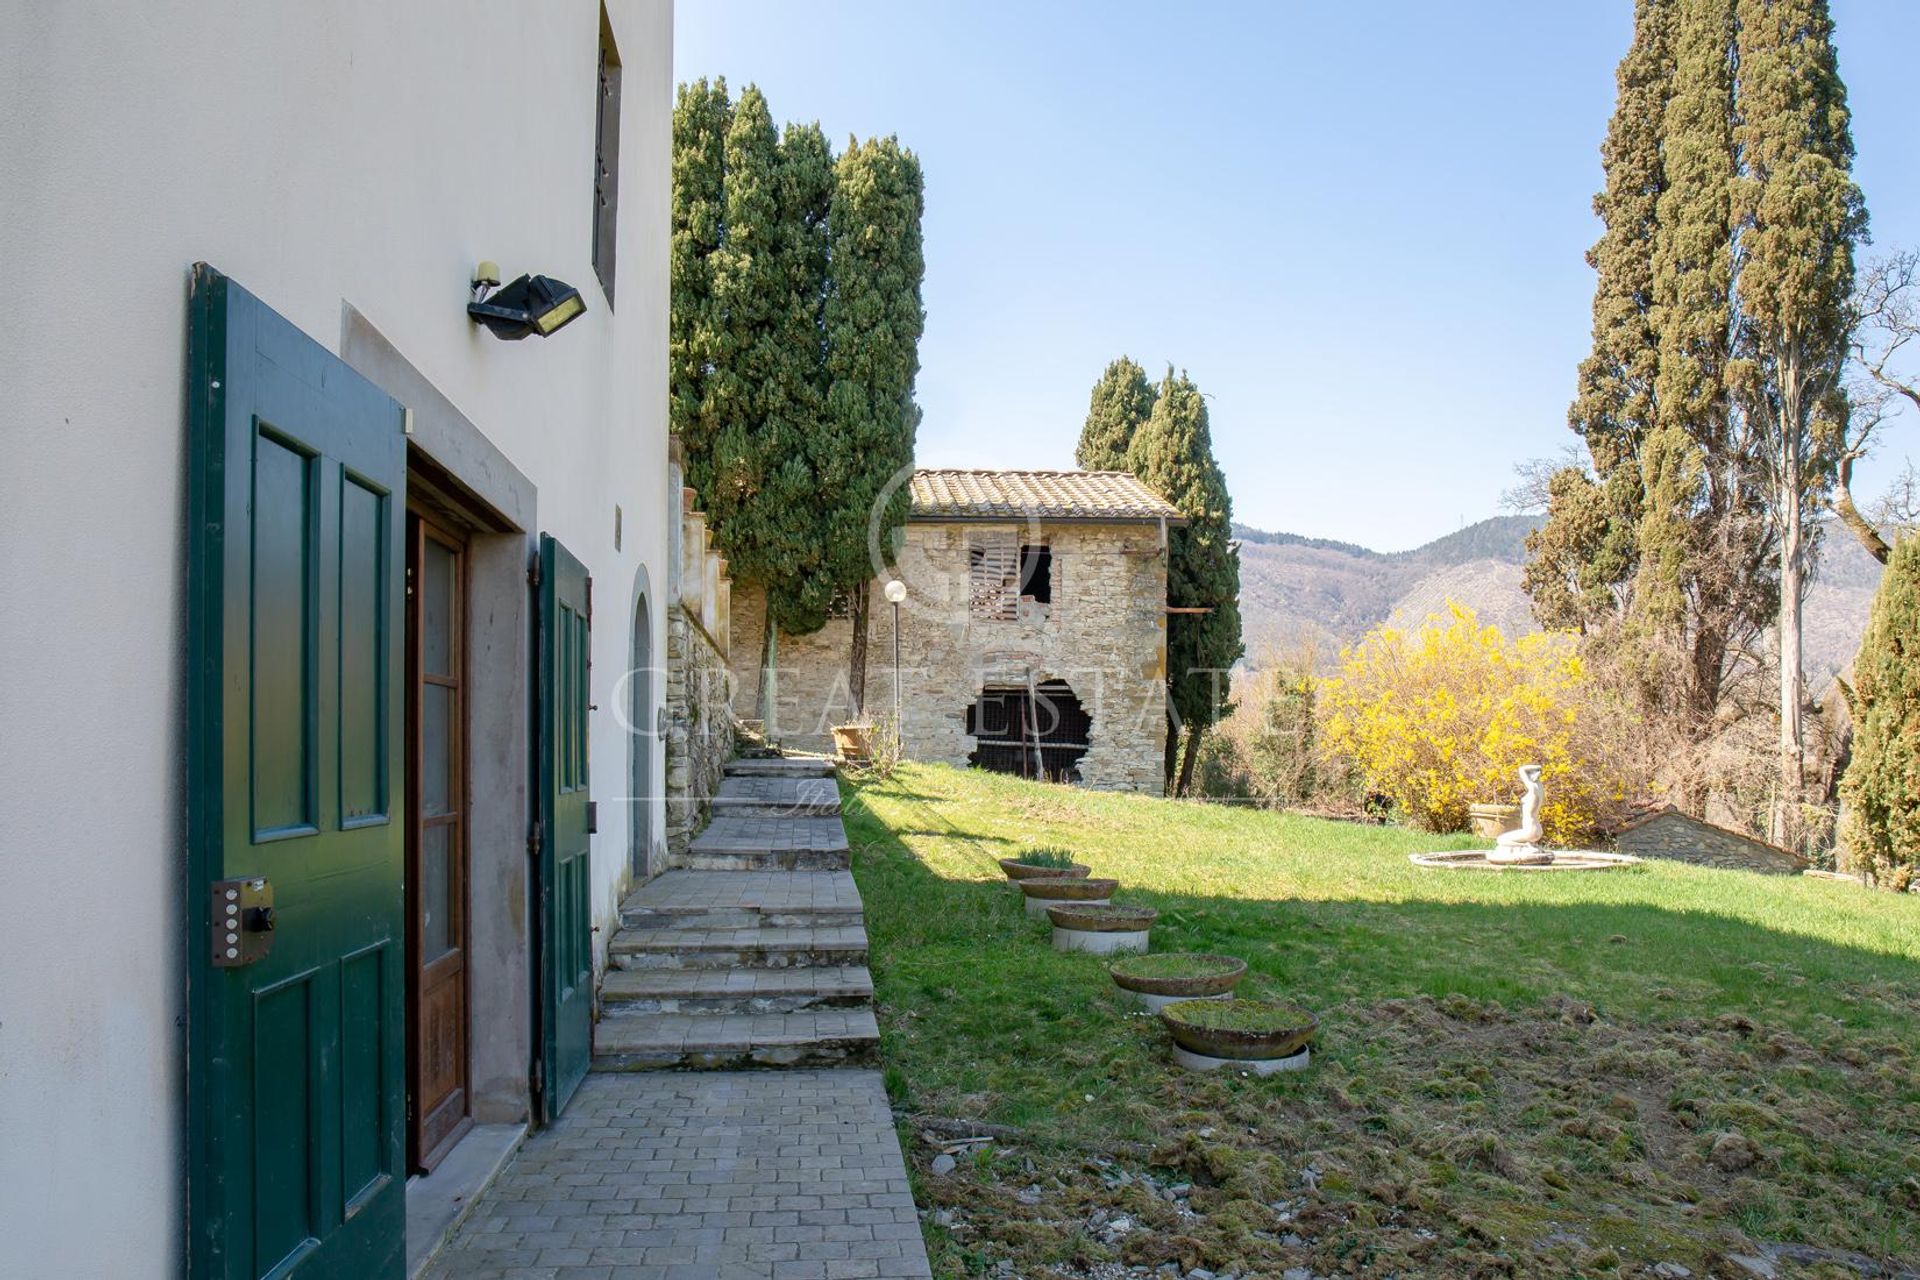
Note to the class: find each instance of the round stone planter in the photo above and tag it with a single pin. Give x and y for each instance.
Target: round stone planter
(1043, 891)
(1262, 1036)
(1258, 1066)
(1101, 928)
(1159, 980)
(1018, 870)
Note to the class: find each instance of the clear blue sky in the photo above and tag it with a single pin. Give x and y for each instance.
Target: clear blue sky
(1360, 227)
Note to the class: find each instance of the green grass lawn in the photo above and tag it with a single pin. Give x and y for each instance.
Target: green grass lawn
(1517, 1074)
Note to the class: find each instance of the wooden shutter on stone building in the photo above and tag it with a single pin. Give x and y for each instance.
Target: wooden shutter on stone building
(994, 581)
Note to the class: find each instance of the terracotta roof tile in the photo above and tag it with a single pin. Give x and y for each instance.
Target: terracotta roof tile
(1043, 495)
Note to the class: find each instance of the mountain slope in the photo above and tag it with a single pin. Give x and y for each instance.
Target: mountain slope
(1301, 596)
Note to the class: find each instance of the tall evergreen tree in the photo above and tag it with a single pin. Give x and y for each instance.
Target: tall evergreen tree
(873, 319)
(701, 117)
(1668, 549)
(1796, 215)
(1692, 309)
(1881, 793)
(750, 360)
(1172, 453)
(1122, 401)
(1582, 560)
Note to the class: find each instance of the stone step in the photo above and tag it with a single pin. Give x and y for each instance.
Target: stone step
(635, 991)
(735, 899)
(780, 767)
(776, 797)
(738, 833)
(767, 947)
(739, 917)
(808, 1037)
(809, 860)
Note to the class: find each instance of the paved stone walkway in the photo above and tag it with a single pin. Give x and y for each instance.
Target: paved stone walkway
(753, 954)
(761, 1175)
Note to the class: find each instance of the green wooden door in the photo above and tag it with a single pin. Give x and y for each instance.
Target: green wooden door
(297, 471)
(566, 896)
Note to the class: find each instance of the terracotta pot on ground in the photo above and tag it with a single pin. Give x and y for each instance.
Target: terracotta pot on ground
(1041, 891)
(1100, 927)
(1204, 977)
(1018, 870)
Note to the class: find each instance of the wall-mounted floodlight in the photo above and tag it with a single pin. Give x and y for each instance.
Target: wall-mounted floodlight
(532, 304)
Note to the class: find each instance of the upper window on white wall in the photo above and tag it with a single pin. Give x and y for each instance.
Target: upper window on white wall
(606, 159)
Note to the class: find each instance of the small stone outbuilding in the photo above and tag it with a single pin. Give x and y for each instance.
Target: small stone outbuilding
(1669, 833)
(1033, 639)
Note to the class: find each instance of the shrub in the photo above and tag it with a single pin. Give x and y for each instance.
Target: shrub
(1046, 856)
(1881, 794)
(1439, 718)
(1281, 748)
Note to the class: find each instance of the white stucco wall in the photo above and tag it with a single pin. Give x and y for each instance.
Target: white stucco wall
(357, 152)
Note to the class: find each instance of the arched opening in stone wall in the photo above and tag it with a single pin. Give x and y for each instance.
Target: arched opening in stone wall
(1038, 731)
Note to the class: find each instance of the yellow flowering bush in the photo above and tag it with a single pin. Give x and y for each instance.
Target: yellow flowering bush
(1439, 718)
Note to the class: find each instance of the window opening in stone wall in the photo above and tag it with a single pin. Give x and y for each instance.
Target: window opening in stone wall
(1036, 574)
(1037, 733)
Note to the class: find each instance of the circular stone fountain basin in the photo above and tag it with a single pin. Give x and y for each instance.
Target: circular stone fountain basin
(1563, 860)
(1261, 1036)
(1100, 927)
(1018, 870)
(1159, 980)
(1043, 891)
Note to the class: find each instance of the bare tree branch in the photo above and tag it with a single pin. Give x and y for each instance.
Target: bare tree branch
(1886, 332)
(1532, 478)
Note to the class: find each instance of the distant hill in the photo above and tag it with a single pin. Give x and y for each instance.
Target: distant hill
(1301, 595)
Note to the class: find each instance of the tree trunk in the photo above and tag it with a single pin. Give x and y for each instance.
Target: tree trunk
(769, 677)
(1850, 514)
(1170, 762)
(1187, 761)
(1792, 586)
(857, 659)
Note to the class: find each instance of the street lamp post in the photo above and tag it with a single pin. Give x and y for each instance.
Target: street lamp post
(896, 592)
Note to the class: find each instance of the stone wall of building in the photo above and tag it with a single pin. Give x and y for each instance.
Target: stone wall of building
(1674, 835)
(700, 726)
(1104, 634)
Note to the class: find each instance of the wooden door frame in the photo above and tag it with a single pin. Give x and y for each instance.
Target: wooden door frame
(425, 524)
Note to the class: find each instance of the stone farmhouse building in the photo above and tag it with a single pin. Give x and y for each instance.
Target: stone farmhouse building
(1033, 636)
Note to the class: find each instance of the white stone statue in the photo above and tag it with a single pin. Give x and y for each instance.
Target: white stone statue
(1521, 846)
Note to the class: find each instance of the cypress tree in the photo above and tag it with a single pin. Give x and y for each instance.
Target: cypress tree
(1796, 217)
(1121, 403)
(760, 364)
(701, 117)
(1172, 454)
(1582, 559)
(1881, 793)
(873, 319)
(1692, 310)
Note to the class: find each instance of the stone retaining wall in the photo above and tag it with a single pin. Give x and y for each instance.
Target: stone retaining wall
(1674, 835)
(700, 726)
(699, 733)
